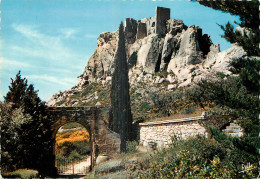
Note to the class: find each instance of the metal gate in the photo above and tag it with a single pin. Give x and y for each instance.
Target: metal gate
(71, 167)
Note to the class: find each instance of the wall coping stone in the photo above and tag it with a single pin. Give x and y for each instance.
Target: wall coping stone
(172, 121)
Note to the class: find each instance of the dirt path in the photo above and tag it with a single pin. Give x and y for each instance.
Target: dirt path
(79, 168)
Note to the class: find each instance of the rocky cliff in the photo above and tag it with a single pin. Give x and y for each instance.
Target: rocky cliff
(163, 54)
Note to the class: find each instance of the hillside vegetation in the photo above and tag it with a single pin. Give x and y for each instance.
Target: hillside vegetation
(72, 142)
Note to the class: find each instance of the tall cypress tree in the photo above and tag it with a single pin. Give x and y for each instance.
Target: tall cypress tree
(120, 113)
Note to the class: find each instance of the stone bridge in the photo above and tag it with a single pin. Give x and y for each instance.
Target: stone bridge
(103, 140)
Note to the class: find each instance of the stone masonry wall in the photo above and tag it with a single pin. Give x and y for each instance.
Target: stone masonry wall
(160, 133)
(141, 30)
(108, 142)
(161, 15)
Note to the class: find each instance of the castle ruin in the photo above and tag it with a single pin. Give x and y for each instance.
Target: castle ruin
(144, 27)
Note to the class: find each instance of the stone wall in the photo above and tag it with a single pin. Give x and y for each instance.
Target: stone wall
(107, 141)
(161, 15)
(160, 133)
(130, 30)
(141, 30)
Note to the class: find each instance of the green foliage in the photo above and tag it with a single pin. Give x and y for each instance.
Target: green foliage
(145, 106)
(22, 95)
(249, 41)
(248, 70)
(22, 173)
(221, 75)
(248, 12)
(12, 121)
(227, 92)
(120, 119)
(221, 137)
(16, 91)
(162, 74)
(217, 120)
(25, 129)
(132, 60)
(188, 110)
(73, 155)
(90, 89)
(131, 146)
(197, 158)
(232, 96)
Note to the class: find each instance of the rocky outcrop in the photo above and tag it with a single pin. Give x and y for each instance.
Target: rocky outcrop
(158, 45)
(100, 64)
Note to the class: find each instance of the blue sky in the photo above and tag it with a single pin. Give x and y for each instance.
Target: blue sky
(50, 41)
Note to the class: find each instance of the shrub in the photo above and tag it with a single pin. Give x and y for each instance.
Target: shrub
(188, 110)
(197, 157)
(22, 173)
(131, 146)
(72, 144)
(132, 60)
(145, 106)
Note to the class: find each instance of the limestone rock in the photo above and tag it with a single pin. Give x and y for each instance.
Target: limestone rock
(221, 61)
(170, 46)
(172, 87)
(171, 78)
(242, 31)
(159, 80)
(98, 104)
(150, 25)
(149, 53)
(100, 63)
(101, 158)
(175, 26)
(189, 52)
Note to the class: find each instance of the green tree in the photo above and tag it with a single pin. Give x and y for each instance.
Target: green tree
(248, 71)
(248, 11)
(120, 113)
(16, 91)
(22, 95)
(11, 149)
(25, 128)
(238, 93)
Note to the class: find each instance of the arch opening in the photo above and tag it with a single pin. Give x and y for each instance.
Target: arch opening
(72, 149)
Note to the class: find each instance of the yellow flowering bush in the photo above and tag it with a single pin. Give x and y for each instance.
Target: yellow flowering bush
(72, 144)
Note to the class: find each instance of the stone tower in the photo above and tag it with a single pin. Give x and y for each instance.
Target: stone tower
(162, 14)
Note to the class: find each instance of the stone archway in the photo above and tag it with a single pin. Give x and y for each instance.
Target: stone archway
(103, 141)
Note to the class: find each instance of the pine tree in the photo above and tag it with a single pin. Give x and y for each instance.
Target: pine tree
(16, 91)
(248, 11)
(25, 127)
(120, 113)
(22, 95)
(239, 93)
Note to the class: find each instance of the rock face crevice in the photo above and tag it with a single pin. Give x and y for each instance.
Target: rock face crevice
(159, 44)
